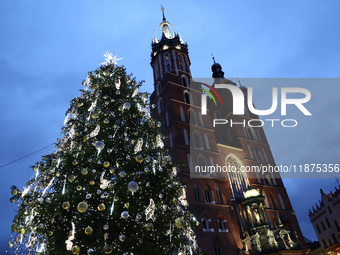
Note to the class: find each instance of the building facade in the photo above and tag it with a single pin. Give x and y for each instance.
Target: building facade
(239, 213)
(325, 218)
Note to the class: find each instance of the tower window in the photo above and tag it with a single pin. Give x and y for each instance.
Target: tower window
(167, 62)
(197, 140)
(159, 105)
(323, 226)
(219, 195)
(186, 137)
(197, 192)
(329, 225)
(336, 225)
(208, 195)
(217, 249)
(187, 97)
(182, 113)
(330, 210)
(319, 230)
(192, 117)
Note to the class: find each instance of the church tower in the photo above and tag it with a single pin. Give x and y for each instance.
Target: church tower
(239, 213)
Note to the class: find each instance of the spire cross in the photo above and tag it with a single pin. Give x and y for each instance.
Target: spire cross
(162, 8)
(213, 58)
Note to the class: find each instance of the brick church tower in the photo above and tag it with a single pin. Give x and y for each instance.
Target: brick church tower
(238, 213)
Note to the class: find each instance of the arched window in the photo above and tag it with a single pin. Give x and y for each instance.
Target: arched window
(208, 196)
(221, 224)
(170, 138)
(206, 221)
(167, 62)
(197, 140)
(281, 202)
(258, 135)
(192, 117)
(187, 97)
(202, 163)
(219, 195)
(186, 137)
(250, 152)
(273, 178)
(212, 163)
(237, 178)
(274, 202)
(201, 119)
(258, 177)
(217, 114)
(218, 250)
(158, 88)
(185, 81)
(265, 154)
(190, 163)
(182, 113)
(181, 62)
(207, 144)
(159, 105)
(167, 118)
(197, 192)
(251, 133)
(265, 199)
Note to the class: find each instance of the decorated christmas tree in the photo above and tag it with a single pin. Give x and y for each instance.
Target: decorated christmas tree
(109, 186)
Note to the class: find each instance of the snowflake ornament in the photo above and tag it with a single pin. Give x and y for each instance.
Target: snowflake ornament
(110, 59)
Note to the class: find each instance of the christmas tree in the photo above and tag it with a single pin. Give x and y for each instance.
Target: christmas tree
(109, 187)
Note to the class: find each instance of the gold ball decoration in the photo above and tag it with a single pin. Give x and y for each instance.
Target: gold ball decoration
(139, 158)
(95, 115)
(14, 192)
(84, 172)
(88, 230)
(122, 238)
(126, 205)
(21, 231)
(51, 233)
(12, 200)
(75, 163)
(106, 164)
(92, 182)
(14, 228)
(35, 168)
(75, 249)
(108, 249)
(101, 207)
(149, 227)
(57, 174)
(71, 178)
(82, 207)
(79, 187)
(106, 73)
(115, 198)
(66, 205)
(179, 222)
(85, 138)
(106, 121)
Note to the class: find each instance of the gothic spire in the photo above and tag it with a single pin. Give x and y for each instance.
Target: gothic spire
(165, 26)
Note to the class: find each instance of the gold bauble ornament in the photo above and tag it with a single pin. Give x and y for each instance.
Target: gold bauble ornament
(122, 238)
(85, 138)
(12, 200)
(106, 121)
(149, 226)
(88, 230)
(139, 158)
(21, 231)
(92, 182)
(106, 85)
(30, 228)
(106, 73)
(14, 192)
(51, 233)
(66, 205)
(106, 164)
(115, 198)
(108, 249)
(126, 205)
(75, 162)
(101, 207)
(57, 174)
(14, 228)
(179, 222)
(82, 207)
(95, 115)
(75, 249)
(84, 172)
(71, 178)
(79, 187)
(35, 168)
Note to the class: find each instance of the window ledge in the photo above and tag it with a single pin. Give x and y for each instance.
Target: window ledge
(208, 230)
